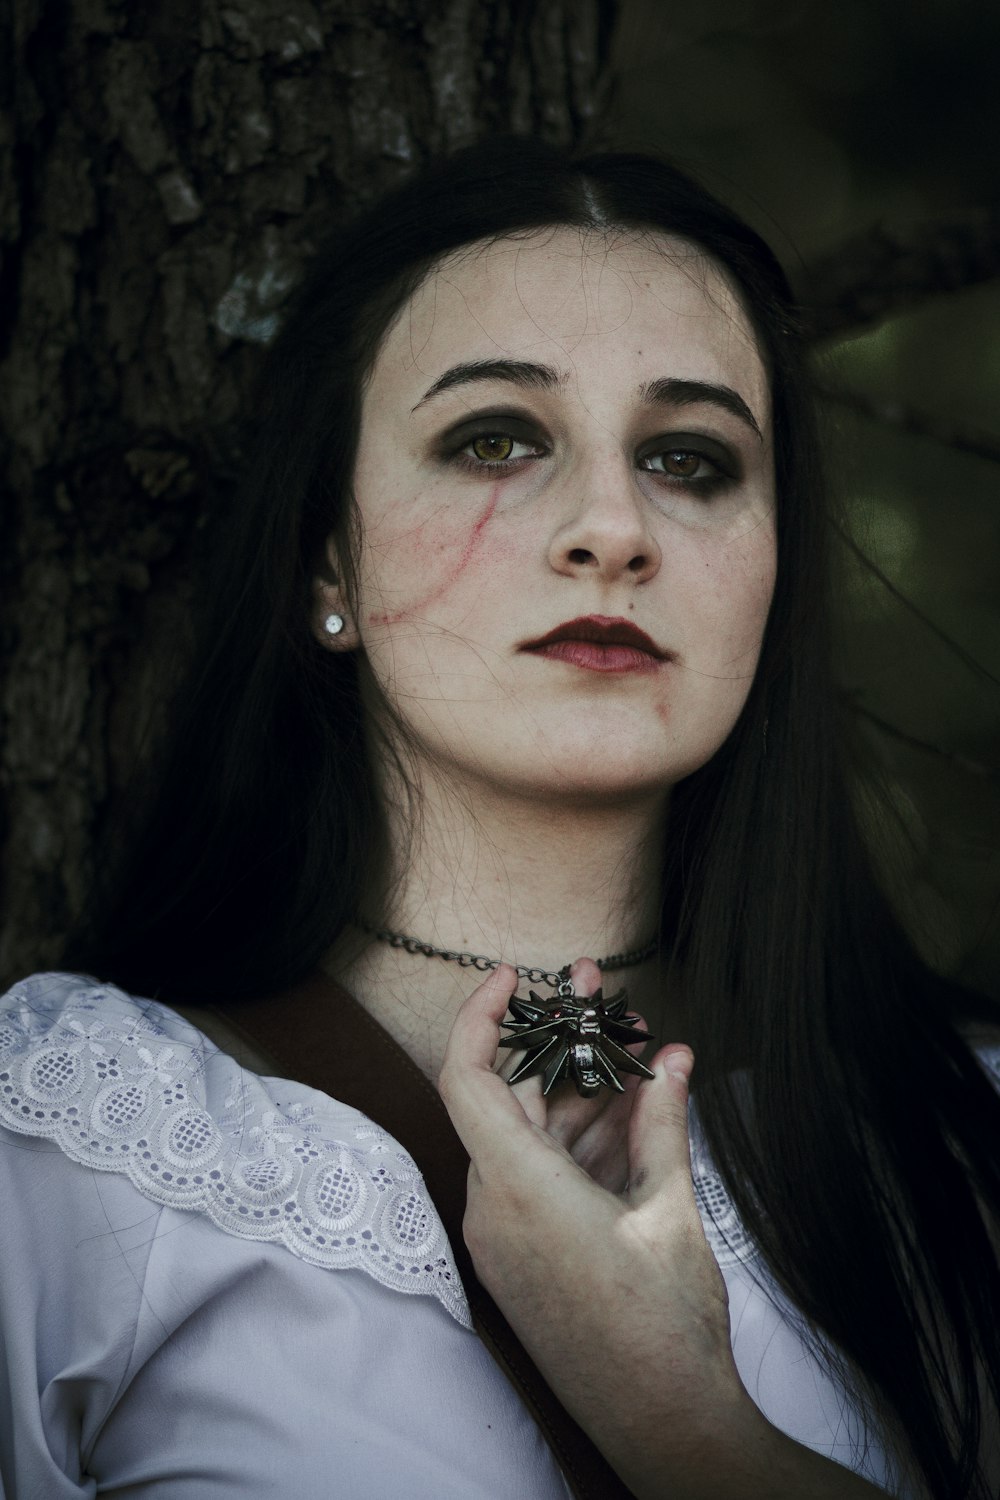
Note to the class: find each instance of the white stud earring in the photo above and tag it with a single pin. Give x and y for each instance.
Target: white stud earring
(333, 624)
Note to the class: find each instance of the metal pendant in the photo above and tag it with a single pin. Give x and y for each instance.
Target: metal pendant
(575, 1037)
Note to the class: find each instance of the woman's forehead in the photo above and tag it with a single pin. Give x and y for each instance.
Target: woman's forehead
(564, 295)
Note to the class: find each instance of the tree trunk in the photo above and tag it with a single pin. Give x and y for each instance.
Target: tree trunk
(165, 170)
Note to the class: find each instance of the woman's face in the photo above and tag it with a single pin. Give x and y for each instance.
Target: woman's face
(566, 497)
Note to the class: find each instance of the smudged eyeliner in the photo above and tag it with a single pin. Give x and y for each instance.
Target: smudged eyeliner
(724, 465)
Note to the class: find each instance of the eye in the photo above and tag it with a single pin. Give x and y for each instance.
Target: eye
(491, 449)
(691, 461)
(681, 463)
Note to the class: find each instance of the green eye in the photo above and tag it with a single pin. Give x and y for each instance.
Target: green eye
(493, 447)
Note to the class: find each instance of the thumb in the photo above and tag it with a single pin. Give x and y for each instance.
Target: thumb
(479, 1102)
(659, 1149)
(472, 1043)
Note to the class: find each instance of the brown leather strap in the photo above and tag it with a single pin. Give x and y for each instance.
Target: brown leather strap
(321, 1036)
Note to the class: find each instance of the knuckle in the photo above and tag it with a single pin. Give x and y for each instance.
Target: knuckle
(670, 1113)
(471, 1234)
(449, 1076)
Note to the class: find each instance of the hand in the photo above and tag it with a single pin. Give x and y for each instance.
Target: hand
(617, 1298)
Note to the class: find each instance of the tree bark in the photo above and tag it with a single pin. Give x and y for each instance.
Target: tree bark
(165, 171)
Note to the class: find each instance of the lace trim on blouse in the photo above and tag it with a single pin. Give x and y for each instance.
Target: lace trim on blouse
(727, 1238)
(123, 1085)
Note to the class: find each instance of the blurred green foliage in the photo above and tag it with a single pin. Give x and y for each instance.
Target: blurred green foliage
(928, 516)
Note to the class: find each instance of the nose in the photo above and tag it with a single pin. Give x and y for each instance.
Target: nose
(605, 529)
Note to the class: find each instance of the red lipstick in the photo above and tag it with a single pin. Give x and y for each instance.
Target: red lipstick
(600, 643)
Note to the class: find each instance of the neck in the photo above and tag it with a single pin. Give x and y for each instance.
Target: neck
(510, 878)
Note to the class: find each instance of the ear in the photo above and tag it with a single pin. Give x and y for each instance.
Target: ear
(329, 598)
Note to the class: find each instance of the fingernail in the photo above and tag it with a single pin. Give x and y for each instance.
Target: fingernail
(680, 1063)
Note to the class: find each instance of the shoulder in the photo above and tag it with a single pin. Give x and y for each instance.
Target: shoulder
(125, 1085)
(35, 1004)
(68, 1041)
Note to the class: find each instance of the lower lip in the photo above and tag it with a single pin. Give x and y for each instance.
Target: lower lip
(597, 658)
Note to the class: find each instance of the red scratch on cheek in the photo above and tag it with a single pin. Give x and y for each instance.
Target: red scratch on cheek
(477, 531)
(468, 551)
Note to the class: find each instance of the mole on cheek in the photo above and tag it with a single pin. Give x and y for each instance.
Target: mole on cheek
(458, 567)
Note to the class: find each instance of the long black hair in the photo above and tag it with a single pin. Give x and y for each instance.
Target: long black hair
(865, 1165)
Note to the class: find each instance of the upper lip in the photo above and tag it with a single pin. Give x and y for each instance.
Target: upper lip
(602, 630)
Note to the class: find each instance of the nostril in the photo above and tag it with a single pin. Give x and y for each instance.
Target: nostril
(638, 564)
(581, 556)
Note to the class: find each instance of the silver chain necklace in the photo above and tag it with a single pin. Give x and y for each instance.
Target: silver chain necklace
(557, 981)
(582, 1039)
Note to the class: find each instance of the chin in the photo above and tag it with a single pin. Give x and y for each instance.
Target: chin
(583, 755)
(611, 773)
(621, 754)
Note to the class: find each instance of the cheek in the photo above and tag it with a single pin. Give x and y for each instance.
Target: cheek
(410, 572)
(721, 600)
(734, 586)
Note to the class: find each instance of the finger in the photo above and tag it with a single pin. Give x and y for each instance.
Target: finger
(572, 1118)
(571, 1115)
(478, 1101)
(474, 1035)
(602, 1149)
(528, 1090)
(659, 1146)
(586, 976)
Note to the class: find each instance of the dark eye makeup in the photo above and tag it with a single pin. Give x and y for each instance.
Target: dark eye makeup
(690, 460)
(486, 443)
(489, 442)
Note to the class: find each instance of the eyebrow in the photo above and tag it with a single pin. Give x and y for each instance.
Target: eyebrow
(516, 371)
(667, 391)
(697, 393)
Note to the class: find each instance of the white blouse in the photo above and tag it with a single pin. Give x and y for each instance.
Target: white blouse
(216, 1284)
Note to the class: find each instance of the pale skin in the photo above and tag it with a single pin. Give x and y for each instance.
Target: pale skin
(566, 425)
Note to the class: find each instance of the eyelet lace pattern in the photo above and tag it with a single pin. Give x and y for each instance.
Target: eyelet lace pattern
(122, 1085)
(128, 1086)
(729, 1241)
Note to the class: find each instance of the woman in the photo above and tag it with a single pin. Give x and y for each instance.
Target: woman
(521, 654)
